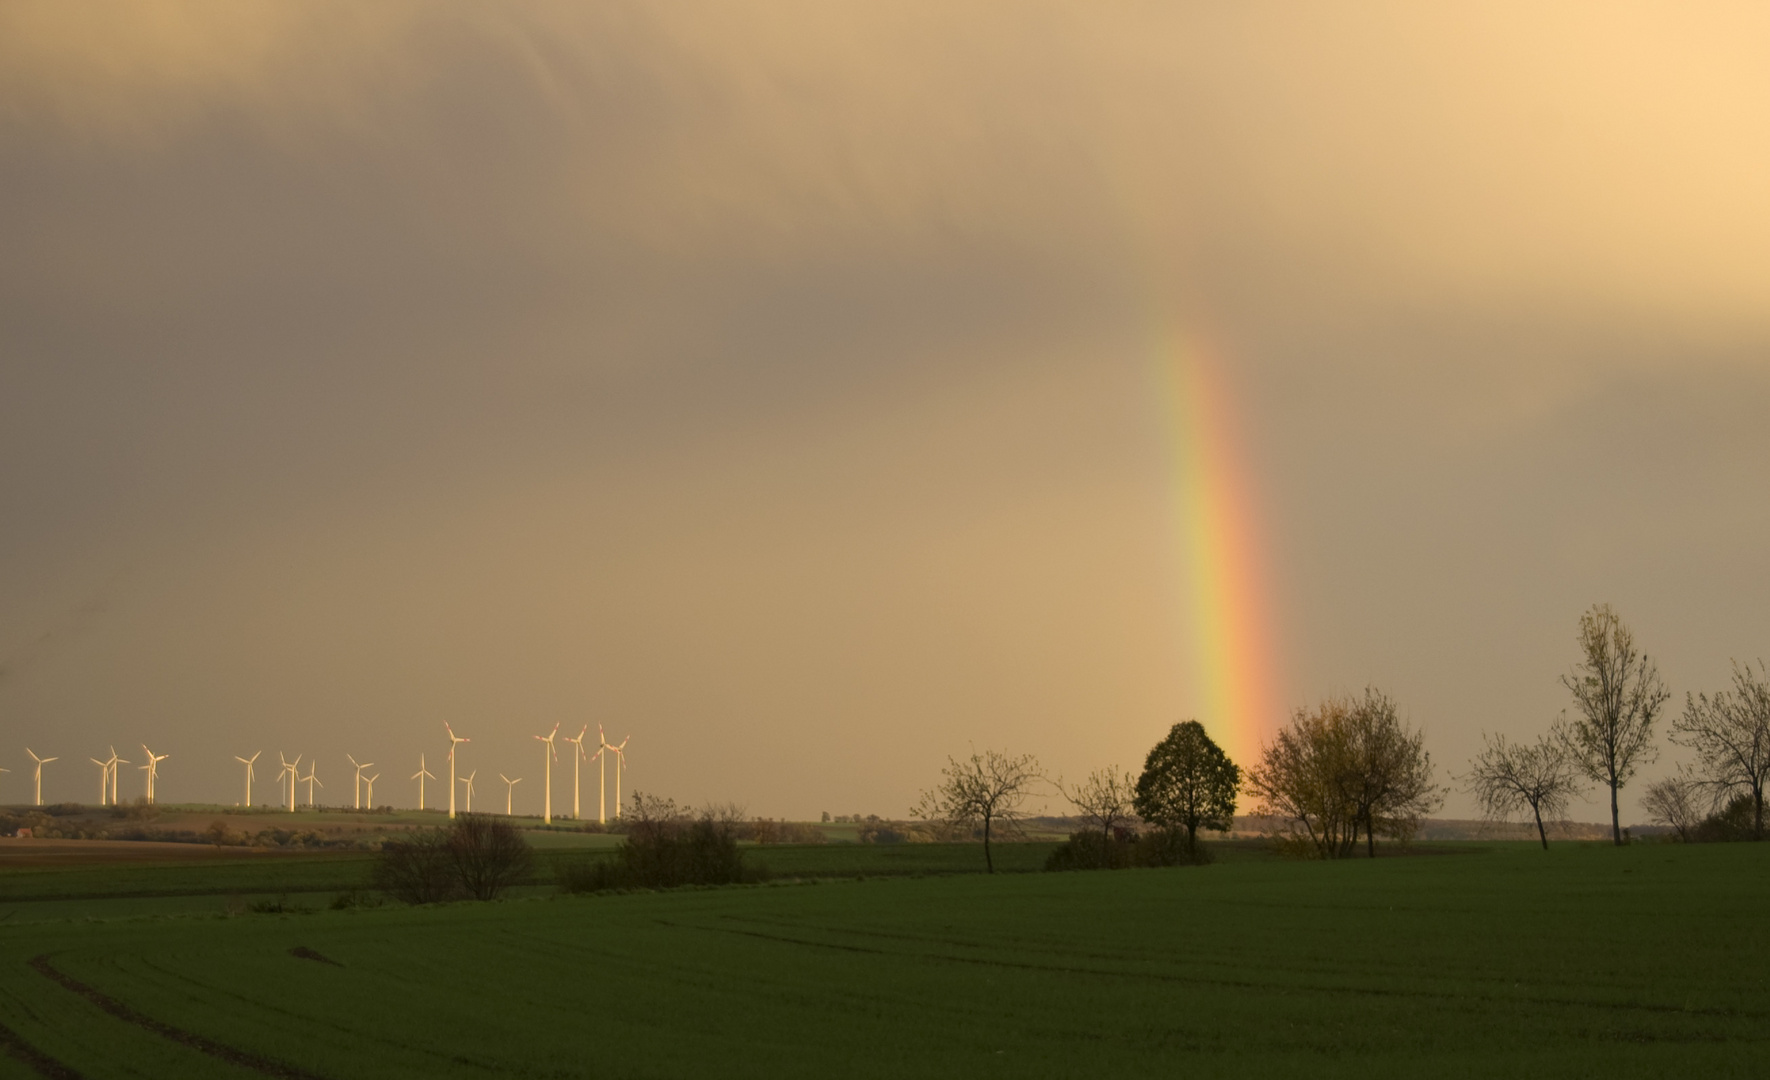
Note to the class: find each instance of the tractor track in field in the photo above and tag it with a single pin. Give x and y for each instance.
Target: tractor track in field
(230, 1054)
(42, 1063)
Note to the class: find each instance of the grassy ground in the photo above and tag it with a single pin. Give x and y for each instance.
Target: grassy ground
(1585, 961)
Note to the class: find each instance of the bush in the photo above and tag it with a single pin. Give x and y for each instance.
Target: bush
(664, 849)
(1092, 850)
(477, 857)
(1732, 822)
(417, 871)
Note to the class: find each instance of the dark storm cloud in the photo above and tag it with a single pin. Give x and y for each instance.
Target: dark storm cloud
(773, 381)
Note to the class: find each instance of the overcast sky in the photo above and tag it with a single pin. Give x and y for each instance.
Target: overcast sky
(772, 382)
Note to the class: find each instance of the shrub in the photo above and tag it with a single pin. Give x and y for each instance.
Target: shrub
(1092, 850)
(478, 857)
(417, 871)
(664, 849)
(1735, 821)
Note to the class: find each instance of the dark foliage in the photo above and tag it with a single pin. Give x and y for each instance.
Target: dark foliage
(478, 857)
(665, 848)
(1733, 822)
(419, 870)
(489, 855)
(1090, 850)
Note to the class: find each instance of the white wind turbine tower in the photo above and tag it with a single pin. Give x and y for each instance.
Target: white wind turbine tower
(104, 780)
(578, 759)
(38, 779)
(153, 769)
(369, 783)
(291, 769)
(468, 780)
(421, 775)
(620, 759)
(248, 763)
(311, 779)
(509, 792)
(454, 740)
(5, 770)
(547, 759)
(113, 763)
(356, 789)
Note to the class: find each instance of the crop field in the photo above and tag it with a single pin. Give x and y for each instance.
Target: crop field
(1584, 961)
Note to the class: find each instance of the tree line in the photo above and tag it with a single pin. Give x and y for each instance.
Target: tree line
(1350, 770)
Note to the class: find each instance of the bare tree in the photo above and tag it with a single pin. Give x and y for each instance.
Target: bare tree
(1619, 695)
(984, 789)
(1507, 777)
(1672, 802)
(1188, 783)
(1104, 799)
(1730, 733)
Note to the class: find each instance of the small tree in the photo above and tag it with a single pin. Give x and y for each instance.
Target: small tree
(1188, 783)
(1508, 777)
(1730, 733)
(489, 854)
(1348, 767)
(984, 789)
(417, 870)
(1619, 694)
(1388, 774)
(1672, 802)
(1104, 799)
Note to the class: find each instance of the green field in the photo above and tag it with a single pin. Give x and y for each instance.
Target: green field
(1584, 961)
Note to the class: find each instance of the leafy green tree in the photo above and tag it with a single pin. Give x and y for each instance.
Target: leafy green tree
(1189, 783)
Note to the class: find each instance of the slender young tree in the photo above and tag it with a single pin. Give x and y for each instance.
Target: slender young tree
(1104, 799)
(1507, 777)
(1189, 783)
(985, 789)
(1730, 733)
(1618, 692)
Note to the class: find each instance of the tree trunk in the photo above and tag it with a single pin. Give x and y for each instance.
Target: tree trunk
(1192, 840)
(1540, 831)
(1758, 822)
(987, 860)
(1615, 822)
(1370, 836)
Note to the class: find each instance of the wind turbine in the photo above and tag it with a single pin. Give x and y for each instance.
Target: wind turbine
(111, 767)
(468, 780)
(38, 780)
(311, 779)
(577, 760)
(104, 779)
(248, 763)
(509, 792)
(421, 775)
(454, 740)
(548, 759)
(356, 790)
(620, 759)
(369, 782)
(292, 770)
(153, 769)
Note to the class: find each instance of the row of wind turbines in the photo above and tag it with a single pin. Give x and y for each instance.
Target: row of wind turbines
(363, 786)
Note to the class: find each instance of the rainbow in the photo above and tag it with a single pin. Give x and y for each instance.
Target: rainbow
(1221, 584)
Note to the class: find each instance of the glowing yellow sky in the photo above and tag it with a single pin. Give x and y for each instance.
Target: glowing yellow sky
(771, 380)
